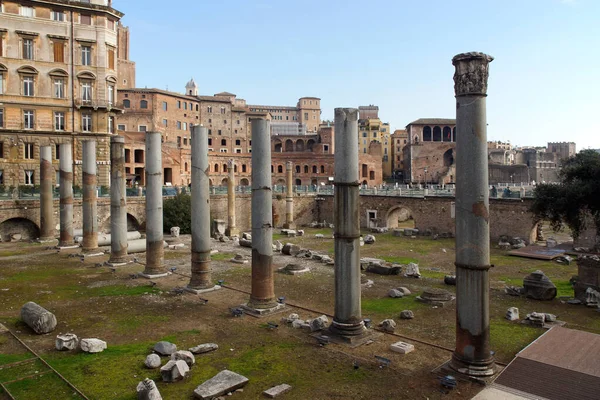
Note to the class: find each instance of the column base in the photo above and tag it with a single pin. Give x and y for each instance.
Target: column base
(153, 276)
(480, 369)
(447, 368)
(232, 232)
(67, 246)
(262, 312)
(355, 340)
(45, 240)
(115, 263)
(200, 291)
(289, 226)
(89, 254)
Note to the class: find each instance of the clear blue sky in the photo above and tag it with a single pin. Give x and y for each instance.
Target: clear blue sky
(544, 83)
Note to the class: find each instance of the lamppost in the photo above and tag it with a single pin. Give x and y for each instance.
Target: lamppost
(425, 170)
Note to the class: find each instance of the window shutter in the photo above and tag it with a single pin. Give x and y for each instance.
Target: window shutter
(111, 59)
(59, 53)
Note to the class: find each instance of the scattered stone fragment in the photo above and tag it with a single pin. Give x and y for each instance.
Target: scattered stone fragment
(539, 287)
(512, 314)
(290, 249)
(404, 290)
(395, 293)
(378, 267)
(402, 347)
(514, 291)
(450, 280)
(536, 319)
(93, 345)
(299, 324)
(147, 390)
(174, 371)
(549, 317)
(224, 382)
(239, 259)
(184, 355)
(278, 246)
(319, 236)
(407, 314)
(204, 348)
(38, 318)
(592, 297)
(290, 318)
(277, 390)
(246, 243)
(504, 245)
(300, 232)
(388, 325)
(66, 341)
(397, 232)
(294, 269)
(165, 348)
(247, 236)
(564, 259)
(152, 361)
(319, 323)
(574, 302)
(435, 297)
(369, 239)
(412, 271)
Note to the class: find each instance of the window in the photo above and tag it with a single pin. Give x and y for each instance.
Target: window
(86, 91)
(144, 104)
(111, 94)
(59, 88)
(1, 81)
(59, 52)
(225, 121)
(85, 19)
(178, 141)
(111, 58)
(28, 86)
(27, 11)
(210, 121)
(238, 151)
(184, 105)
(110, 24)
(305, 115)
(28, 49)
(178, 124)
(238, 142)
(86, 122)
(59, 121)
(1, 174)
(223, 150)
(142, 128)
(1, 117)
(111, 125)
(28, 151)
(209, 109)
(185, 141)
(126, 103)
(184, 126)
(219, 132)
(209, 141)
(58, 16)
(28, 176)
(178, 103)
(165, 122)
(121, 127)
(210, 131)
(164, 106)
(86, 55)
(223, 142)
(28, 119)
(222, 110)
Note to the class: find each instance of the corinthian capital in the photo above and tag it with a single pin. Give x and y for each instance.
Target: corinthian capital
(471, 74)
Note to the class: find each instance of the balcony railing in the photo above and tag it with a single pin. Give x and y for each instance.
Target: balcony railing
(96, 104)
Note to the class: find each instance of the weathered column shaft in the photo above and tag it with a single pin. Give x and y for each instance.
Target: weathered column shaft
(289, 198)
(46, 199)
(201, 273)
(263, 287)
(90, 212)
(472, 355)
(347, 318)
(66, 195)
(118, 201)
(154, 205)
(231, 228)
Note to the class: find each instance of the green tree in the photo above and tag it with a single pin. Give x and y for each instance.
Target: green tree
(177, 211)
(575, 201)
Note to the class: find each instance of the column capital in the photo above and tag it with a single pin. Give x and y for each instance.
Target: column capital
(471, 74)
(288, 165)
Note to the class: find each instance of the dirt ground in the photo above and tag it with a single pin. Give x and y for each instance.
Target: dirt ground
(132, 314)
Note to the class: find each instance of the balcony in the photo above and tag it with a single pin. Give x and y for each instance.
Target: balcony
(97, 104)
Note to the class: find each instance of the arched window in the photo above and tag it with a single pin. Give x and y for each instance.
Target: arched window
(437, 134)
(300, 145)
(306, 169)
(447, 134)
(297, 169)
(235, 169)
(186, 167)
(126, 103)
(298, 182)
(279, 169)
(427, 134)
(144, 104)
(272, 169)
(224, 167)
(243, 167)
(216, 167)
(289, 145)
(322, 169)
(314, 169)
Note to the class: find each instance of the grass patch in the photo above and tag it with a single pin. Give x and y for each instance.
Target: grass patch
(121, 290)
(389, 307)
(564, 288)
(222, 256)
(508, 338)
(47, 386)
(400, 260)
(426, 273)
(12, 358)
(21, 370)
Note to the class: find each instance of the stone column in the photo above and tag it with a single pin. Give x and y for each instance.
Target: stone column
(472, 355)
(118, 202)
(347, 320)
(90, 213)
(154, 210)
(201, 271)
(231, 230)
(66, 196)
(46, 199)
(289, 198)
(262, 296)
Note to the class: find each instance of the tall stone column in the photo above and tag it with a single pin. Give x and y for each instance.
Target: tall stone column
(46, 199)
(155, 251)
(231, 230)
(262, 298)
(472, 355)
(118, 202)
(66, 196)
(201, 272)
(347, 320)
(90, 213)
(289, 198)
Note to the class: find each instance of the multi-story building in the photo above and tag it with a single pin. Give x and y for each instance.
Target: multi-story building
(399, 140)
(300, 120)
(228, 121)
(371, 129)
(58, 83)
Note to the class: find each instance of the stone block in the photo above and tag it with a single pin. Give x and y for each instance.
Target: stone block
(407, 314)
(152, 361)
(204, 348)
(402, 347)
(222, 383)
(93, 345)
(174, 371)
(165, 348)
(395, 293)
(67, 341)
(512, 314)
(147, 390)
(184, 355)
(388, 325)
(277, 390)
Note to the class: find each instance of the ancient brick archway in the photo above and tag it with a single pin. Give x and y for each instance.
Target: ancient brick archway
(398, 215)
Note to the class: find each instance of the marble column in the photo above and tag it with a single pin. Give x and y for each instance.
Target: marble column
(47, 227)
(472, 355)
(232, 229)
(289, 198)
(118, 202)
(90, 212)
(66, 196)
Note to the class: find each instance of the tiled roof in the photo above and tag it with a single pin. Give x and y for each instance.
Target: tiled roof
(434, 121)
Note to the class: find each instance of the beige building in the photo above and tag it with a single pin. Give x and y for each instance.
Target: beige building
(371, 129)
(399, 140)
(300, 120)
(58, 83)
